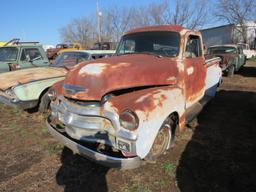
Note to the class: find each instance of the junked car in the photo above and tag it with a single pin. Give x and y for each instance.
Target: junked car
(52, 53)
(232, 57)
(28, 88)
(124, 110)
(249, 53)
(22, 55)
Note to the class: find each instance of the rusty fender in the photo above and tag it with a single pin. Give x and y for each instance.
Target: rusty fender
(152, 107)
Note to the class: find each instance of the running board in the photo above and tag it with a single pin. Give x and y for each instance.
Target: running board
(195, 109)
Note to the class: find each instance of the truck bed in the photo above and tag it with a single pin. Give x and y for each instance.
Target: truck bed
(213, 76)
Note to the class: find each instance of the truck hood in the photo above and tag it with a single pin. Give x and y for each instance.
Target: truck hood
(92, 80)
(13, 78)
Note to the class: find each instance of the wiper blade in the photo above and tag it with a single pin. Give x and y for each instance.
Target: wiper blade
(150, 53)
(128, 53)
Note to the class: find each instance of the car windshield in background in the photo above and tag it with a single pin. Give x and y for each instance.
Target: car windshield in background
(8, 53)
(221, 50)
(160, 43)
(69, 59)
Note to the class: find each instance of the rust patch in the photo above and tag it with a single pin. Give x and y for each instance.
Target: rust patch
(144, 100)
(120, 72)
(10, 79)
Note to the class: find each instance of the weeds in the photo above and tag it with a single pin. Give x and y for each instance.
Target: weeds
(136, 188)
(54, 149)
(253, 58)
(169, 169)
(165, 183)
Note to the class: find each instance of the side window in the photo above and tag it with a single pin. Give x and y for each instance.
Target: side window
(240, 50)
(193, 47)
(31, 54)
(127, 46)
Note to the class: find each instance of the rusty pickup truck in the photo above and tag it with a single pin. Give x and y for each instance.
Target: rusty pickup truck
(125, 110)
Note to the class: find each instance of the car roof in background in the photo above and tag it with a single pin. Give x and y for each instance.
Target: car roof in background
(224, 45)
(92, 51)
(25, 45)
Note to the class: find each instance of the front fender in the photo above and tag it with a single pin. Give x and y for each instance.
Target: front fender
(152, 107)
(32, 90)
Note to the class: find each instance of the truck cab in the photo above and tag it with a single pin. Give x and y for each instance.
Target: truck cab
(126, 109)
(21, 56)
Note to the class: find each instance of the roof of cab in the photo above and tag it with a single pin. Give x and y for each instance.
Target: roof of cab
(173, 28)
(24, 45)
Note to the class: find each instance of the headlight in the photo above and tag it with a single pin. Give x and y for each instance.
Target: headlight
(52, 94)
(10, 93)
(129, 120)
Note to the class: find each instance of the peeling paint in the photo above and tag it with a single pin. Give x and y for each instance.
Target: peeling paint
(92, 69)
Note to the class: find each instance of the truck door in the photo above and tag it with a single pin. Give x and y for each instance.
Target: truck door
(241, 58)
(195, 70)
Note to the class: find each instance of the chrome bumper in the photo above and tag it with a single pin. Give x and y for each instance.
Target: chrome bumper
(106, 160)
(92, 123)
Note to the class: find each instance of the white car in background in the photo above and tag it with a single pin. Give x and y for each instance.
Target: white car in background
(249, 53)
(45, 47)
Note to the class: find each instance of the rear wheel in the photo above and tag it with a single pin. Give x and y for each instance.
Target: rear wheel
(163, 139)
(231, 71)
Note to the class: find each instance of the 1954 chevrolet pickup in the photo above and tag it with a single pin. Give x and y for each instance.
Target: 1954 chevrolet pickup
(124, 110)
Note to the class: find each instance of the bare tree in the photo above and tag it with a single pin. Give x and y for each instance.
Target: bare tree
(236, 12)
(79, 30)
(190, 14)
(117, 20)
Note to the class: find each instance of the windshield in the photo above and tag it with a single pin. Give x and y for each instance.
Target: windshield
(221, 50)
(8, 53)
(69, 59)
(243, 46)
(160, 43)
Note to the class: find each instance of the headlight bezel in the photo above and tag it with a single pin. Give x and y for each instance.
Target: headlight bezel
(129, 120)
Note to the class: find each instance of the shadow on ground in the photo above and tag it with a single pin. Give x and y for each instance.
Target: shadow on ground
(221, 155)
(247, 71)
(79, 174)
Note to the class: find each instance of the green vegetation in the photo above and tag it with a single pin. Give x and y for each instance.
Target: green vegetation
(253, 58)
(54, 149)
(136, 188)
(169, 169)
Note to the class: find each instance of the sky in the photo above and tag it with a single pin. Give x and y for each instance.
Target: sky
(41, 20)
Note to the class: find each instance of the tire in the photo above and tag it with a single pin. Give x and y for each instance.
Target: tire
(231, 71)
(44, 103)
(164, 138)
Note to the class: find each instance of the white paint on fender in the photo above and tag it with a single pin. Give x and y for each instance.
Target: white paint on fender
(190, 70)
(93, 69)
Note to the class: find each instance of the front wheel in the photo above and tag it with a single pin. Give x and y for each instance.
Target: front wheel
(162, 140)
(44, 103)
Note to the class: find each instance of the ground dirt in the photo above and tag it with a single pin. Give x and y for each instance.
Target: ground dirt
(218, 155)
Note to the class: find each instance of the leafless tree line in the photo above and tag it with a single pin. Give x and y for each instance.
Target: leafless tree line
(237, 12)
(192, 14)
